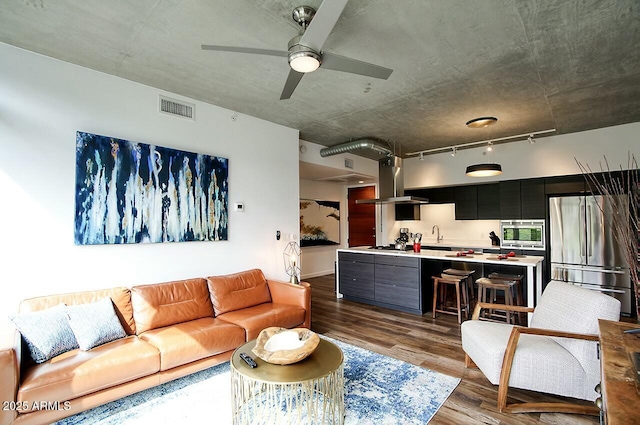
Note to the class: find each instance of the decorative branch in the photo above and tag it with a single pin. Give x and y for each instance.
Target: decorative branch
(622, 192)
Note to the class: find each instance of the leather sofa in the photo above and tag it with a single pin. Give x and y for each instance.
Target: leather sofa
(172, 329)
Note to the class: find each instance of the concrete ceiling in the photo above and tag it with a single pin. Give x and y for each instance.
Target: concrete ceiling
(535, 64)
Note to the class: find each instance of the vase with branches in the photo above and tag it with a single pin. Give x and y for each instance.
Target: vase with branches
(622, 190)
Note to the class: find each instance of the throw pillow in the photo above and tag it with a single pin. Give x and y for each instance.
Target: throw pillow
(95, 323)
(47, 332)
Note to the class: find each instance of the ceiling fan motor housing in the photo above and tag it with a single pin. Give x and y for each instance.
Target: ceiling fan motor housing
(297, 50)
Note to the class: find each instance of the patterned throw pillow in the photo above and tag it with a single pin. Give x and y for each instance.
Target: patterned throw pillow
(47, 332)
(95, 323)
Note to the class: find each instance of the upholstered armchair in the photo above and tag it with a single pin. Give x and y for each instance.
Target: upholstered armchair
(557, 354)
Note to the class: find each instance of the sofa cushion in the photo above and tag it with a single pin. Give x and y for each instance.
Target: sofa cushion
(120, 296)
(256, 318)
(237, 291)
(194, 340)
(163, 304)
(95, 323)
(47, 332)
(77, 373)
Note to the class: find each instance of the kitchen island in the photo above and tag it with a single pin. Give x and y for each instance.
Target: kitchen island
(401, 280)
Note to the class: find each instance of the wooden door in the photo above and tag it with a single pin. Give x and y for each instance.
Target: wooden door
(361, 217)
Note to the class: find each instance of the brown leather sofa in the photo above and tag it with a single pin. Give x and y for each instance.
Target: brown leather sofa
(173, 329)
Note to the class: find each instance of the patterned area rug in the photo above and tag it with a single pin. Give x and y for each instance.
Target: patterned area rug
(378, 390)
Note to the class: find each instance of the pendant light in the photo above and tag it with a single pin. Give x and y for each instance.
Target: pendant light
(484, 170)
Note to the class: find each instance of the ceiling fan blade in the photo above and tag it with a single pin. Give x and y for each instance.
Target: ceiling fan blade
(292, 82)
(354, 66)
(245, 50)
(322, 24)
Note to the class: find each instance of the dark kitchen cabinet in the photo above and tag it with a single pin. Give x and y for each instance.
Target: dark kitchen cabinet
(466, 200)
(436, 195)
(510, 207)
(407, 211)
(532, 199)
(397, 282)
(564, 185)
(356, 276)
(489, 201)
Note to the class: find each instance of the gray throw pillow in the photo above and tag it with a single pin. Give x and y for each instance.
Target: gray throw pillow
(47, 332)
(95, 323)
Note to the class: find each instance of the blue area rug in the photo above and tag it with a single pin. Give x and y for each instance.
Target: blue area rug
(378, 390)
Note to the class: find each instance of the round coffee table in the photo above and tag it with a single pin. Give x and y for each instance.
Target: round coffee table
(308, 392)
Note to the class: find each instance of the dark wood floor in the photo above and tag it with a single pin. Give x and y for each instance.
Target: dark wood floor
(433, 344)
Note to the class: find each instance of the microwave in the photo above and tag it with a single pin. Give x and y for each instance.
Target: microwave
(522, 234)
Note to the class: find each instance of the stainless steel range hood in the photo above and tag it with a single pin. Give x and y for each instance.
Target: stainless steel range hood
(391, 185)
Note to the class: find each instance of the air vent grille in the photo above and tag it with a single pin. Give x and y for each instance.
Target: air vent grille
(177, 108)
(348, 163)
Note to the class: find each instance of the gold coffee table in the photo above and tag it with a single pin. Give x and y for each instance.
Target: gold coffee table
(308, 392)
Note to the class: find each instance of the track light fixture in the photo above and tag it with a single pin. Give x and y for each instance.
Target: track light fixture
(454, 151)
(421, 156)
(489, 146)
(530, 139)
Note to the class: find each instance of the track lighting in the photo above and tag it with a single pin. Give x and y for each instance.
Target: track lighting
(454, 150)
(531, 140)
(489, 146)
(421, 156)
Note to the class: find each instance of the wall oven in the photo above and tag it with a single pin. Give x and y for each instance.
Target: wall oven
(522, 234)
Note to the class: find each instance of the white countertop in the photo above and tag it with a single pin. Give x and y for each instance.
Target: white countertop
(431, 254)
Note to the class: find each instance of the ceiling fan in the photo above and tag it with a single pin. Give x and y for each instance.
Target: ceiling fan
(305, 50)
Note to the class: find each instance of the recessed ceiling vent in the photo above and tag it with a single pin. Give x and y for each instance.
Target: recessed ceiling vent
(177, 108)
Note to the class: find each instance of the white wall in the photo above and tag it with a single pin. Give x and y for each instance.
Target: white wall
(549, 156)
(318, 260)
(43, 102)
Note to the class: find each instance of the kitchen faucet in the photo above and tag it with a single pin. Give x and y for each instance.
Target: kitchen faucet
(438, 237)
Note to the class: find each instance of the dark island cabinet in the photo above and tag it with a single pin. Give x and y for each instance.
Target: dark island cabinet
(390, 281)
(397, 281)
(356, 276)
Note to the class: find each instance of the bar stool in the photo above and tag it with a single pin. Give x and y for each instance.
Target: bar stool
(494, 285)
(440, 285)
(468, 274)
(518, 278)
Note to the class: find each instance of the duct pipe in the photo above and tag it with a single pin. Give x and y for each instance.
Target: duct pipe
(353, 145)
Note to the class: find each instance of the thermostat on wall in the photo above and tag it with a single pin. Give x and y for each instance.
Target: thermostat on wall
(238, 206)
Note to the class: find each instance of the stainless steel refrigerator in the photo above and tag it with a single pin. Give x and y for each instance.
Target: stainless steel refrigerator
(583, 248)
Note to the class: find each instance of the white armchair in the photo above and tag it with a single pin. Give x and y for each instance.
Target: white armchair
(557, 354)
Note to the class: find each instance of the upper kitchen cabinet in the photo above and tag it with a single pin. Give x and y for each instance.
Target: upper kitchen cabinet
(407, 211)
(565, 185)
(466, 200)
(532, 198)
(522, 199)
(488, 201)
(436, 195)
(510, 208)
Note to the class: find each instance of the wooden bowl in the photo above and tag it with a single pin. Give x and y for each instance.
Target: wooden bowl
(284, 346)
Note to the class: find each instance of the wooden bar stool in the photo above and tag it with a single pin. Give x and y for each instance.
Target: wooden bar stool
(440, 285)
(494, 285)
(468, 274)
(518, 278)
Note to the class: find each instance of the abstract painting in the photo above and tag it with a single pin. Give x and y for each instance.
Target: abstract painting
(319, 222)
(129, 192)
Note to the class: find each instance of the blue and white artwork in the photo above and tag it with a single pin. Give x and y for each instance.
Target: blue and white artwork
(128, 192)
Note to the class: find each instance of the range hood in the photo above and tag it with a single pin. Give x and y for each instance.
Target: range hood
(391, 185)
